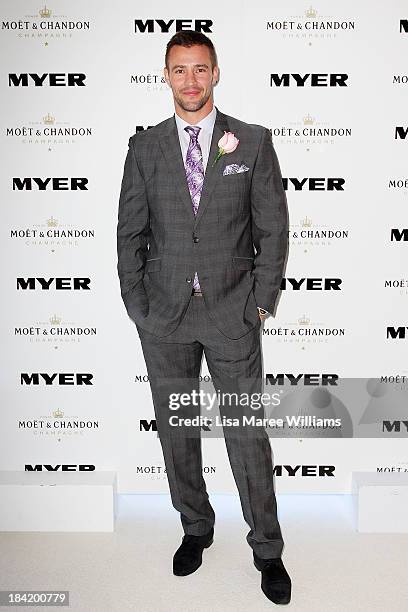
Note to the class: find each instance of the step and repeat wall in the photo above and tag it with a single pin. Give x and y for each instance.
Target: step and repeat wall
(330, 81)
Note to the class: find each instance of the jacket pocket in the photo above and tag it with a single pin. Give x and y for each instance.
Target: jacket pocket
(243, 263)
(237, 175)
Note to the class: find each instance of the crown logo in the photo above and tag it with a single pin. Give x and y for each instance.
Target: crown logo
(308, 120)
(51, 222)
(49, 119)
(304, 320)
(57, 414)
(311, 13)
(306, 222)
(54, 320)
(45, 12)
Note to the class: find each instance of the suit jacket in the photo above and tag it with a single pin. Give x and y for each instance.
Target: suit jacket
(237, 242)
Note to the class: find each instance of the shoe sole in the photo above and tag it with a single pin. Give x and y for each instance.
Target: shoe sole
(192, 570)
(285, 600)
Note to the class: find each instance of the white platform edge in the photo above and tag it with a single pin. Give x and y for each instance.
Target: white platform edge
(389, 482)
(22, 479)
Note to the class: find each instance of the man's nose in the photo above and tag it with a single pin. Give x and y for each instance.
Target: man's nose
(191, 78)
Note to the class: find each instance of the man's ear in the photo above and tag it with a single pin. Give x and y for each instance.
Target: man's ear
(166, 75)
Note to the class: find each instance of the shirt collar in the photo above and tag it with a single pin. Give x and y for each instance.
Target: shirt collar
(206, 124)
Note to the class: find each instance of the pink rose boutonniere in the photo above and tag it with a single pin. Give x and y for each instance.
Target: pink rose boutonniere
(226, 144)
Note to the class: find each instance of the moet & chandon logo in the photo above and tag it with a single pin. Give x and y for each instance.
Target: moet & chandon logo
(310, 25)
(308, 234)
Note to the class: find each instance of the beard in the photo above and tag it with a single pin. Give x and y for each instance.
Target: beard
(193, 105)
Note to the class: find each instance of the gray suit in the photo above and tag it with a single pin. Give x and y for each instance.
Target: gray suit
(236, 213)
(160, 246)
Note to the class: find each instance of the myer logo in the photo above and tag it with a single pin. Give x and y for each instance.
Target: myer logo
(151, 425)
(302, 379)
(395, 333)
(304, 470)
(145, 425)
(141, 128)
(314, 184)
(312, 284)
(401, 133)
(50, 183)
(391, 426)
(53, 283)
(404, 26)
(52, 79)
(160, 25)
(58, 378)
(58, 468)
(397, 235)
(310, 80)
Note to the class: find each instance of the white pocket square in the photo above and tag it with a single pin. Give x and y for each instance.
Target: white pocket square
(235, 169)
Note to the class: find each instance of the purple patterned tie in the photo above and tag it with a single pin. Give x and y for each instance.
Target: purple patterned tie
(195, 175)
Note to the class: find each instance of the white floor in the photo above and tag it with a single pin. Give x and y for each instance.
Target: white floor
(333, 568)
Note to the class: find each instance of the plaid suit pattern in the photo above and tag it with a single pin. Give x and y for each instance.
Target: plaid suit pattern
(157, 232)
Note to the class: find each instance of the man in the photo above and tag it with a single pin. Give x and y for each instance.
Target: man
(202, 242)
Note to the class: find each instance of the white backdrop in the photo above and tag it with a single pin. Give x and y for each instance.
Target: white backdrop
(99, 424)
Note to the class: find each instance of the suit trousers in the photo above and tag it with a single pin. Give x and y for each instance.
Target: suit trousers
(173, 365)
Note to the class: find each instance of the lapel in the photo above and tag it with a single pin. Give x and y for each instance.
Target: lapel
(170, 146)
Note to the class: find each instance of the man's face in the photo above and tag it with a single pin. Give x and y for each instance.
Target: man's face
(190, 76)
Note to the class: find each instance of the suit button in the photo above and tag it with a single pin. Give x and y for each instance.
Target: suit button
(196, 239)
(189, 280)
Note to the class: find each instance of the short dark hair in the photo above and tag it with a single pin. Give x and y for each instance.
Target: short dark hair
(188, 38)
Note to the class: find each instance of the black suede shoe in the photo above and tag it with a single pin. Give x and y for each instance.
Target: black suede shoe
(275, 583)
(188, 557)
